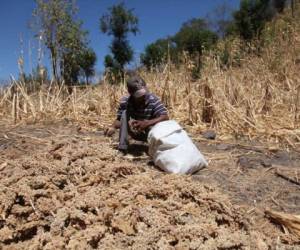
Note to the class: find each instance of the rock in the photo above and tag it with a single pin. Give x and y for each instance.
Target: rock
(266, 163)
(254, 162)
(244, 162)
(283, 157)
(209, 134)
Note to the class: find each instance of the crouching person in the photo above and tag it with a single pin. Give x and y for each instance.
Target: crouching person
(137, 113)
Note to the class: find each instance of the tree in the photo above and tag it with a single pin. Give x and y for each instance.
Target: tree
(194, 37)
(55, 21)
(73, 46)
(156, 53)
(251, 17)
(279, 5)
(87, 63)
(119, 22)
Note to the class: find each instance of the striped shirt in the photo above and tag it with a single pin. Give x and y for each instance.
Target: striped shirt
(153, 108)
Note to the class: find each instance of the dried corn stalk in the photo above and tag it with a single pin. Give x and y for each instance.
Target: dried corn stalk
(288, 221)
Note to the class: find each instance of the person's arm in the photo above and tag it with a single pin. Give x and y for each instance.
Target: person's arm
(117, 124)
(112, 129)
(142, 125)
(157, 120)
(160, 114)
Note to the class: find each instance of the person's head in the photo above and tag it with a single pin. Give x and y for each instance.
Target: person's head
(136, 87)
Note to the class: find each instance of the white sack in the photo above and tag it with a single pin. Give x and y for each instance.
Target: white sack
(172, 150)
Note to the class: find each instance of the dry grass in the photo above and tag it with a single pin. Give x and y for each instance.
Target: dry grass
(260, 99)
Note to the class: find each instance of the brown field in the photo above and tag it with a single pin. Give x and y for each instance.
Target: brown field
(62, 185)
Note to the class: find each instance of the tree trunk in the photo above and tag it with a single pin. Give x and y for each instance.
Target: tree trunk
(54, 65)
(87, 79)
(294, 6)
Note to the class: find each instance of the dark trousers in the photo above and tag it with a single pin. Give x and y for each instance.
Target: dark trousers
(125, 131)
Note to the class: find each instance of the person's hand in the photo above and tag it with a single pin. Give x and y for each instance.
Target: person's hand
(140, 125)
(109, 131)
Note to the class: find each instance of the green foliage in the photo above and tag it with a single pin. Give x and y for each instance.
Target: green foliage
(87, 63)
(279, 5)
(156, 53)
(55, 21)
(119, 23)
(122, 51)
(199, 35)
(73, 47)
(113, 70)
(109, 62)
(195, 37)
(251, 17)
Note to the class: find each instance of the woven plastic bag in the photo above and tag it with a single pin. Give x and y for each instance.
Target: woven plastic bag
(172, 150)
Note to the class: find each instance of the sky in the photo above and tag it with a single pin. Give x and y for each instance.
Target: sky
(157, 19)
